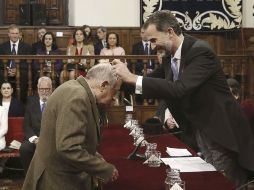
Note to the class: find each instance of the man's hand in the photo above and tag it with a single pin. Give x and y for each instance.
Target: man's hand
(11, 72)
(123, 72)
(170, 123)
(115, 175)
(36, 140)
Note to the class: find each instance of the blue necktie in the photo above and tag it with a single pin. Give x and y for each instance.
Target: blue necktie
(146, 49)
(13, 52)
(43, 106)
(174, 69)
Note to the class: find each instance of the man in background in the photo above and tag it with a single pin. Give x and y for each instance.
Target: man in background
(143, 47)
(15, 47)
(101, 43)
(32, 120)
(39, 44)
(66, 156)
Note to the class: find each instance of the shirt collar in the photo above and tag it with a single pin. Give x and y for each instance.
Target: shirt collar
(177, 54)
(17, 43)
(41, 102)
(144, 43)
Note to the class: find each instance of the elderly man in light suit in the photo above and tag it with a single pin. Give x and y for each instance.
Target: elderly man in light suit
(66, 157)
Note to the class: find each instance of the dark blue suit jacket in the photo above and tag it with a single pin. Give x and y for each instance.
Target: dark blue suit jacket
(201, 95)
(138, 49)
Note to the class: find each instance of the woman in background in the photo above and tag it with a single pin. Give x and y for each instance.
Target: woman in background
(113, 46)
(12, 105)
(78, 48)
(49, 47)
(89, 39)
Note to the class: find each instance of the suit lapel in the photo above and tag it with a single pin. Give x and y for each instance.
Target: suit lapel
(95, 111)
(187, 44)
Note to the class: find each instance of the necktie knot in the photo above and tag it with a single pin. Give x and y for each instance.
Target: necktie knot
(13, 51)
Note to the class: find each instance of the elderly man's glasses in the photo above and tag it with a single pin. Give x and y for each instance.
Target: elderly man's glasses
(44, 89)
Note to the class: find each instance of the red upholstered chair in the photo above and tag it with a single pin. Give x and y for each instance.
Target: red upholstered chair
(15, 132)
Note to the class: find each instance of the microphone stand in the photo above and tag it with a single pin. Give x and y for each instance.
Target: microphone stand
(135, 156)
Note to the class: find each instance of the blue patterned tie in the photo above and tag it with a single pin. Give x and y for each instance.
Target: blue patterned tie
(43, 106)
(174, 69)
(146, 49)
(13, 52)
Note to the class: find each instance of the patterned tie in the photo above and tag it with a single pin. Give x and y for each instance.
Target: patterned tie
(43, 106)
(146, 49)
(13, 52)
(174, 69)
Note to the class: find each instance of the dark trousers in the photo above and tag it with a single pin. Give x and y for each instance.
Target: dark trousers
(26, 150)
(222, 159)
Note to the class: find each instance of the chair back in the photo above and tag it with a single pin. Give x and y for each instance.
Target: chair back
(15, 130)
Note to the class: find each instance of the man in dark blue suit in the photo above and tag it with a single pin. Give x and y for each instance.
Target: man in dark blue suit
(15, 47)
(143, 47)
(101, 43)
(194, 86)
(32, 120)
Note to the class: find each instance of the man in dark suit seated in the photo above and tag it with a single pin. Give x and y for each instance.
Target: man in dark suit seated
(101, 43)
(39, 44)
(143, 47)
(32, 120)
(15, 47)
(197, 92)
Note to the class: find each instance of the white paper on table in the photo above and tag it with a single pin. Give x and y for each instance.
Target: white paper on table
(178, 152)
(188, 164)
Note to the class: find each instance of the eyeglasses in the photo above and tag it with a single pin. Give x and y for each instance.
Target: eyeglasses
(44, 89)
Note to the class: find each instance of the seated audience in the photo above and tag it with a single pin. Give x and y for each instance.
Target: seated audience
(12, 105)
(78, 48)
(32, 120)
(48, 47)
(38, 45)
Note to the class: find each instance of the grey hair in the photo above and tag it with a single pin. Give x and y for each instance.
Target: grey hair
(102, 72)
(44, 78)
(102, 28)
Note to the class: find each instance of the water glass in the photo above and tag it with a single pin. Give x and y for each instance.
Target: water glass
(155, 159)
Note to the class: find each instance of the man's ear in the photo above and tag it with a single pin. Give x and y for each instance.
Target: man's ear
(104, 85)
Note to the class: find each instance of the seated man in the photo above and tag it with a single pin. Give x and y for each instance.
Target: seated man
(32, 120)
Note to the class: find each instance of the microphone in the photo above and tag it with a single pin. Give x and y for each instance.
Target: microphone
(135, 156)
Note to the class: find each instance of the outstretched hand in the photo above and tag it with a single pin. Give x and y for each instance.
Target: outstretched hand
(123, 72)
